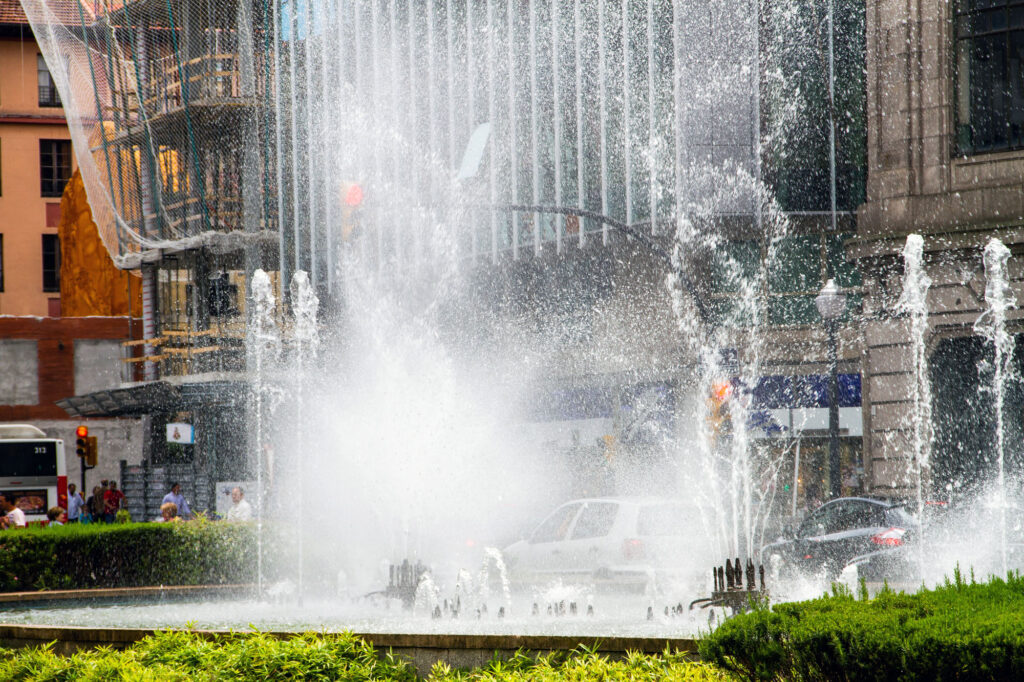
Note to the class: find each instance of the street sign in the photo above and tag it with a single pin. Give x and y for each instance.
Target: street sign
(180, 433)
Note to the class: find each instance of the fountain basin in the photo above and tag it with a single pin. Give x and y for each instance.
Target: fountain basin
(82, 619)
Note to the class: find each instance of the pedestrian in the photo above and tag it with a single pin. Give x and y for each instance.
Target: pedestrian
(56, 516)
(240, 510)
(168, 513)
(178, 499)
(95, 504)
(113, 500)
(13, 516)
(75, 504)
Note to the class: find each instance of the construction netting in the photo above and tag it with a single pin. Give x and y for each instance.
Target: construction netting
(227, 123)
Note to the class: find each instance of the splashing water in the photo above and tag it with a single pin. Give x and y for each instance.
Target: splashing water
(992, 325)
(913, 302)
(264, 347)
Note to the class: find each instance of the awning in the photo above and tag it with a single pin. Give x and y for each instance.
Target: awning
(156, 397)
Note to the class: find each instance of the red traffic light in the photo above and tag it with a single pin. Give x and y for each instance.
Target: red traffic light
(353, 195)
(82, 431)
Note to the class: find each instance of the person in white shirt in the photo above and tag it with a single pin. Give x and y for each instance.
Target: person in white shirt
(240, 509)
(75, 504)
(13, 517)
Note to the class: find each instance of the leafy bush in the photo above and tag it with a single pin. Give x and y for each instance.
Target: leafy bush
(177, 655)
(585, 665)
(127, 555)
(962, 630)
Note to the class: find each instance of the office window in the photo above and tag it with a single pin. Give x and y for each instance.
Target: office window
(48, 95)
(54, 166)
(989, 61)
(51, 262)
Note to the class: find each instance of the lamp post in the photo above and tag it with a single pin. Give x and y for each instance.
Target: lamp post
(831, 304)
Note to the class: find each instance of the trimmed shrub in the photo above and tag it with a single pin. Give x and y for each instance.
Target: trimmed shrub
(960, 631)
(127, 555)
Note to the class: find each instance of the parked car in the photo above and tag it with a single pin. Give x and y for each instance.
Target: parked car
(626, 542)
(832, 535)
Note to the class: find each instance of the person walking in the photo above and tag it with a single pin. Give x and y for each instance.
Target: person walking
(75, 504)
(178, 500)
(113, 500)
(96, 504)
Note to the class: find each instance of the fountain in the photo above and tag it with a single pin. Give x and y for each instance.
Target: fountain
(913, 302)
(992, 325)
(567, 211)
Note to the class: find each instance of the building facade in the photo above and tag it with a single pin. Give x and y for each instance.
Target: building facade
(51, 348)
(946, 161)
(574, 153)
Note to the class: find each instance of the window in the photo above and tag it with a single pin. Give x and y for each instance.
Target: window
(989, 59)
(51, 262)
(54, 166)
(596, 520)
(556, 526)
(48, 95)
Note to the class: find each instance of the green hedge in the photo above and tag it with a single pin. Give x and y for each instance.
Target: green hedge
(127, 555)
(178, 655)
(960, 631)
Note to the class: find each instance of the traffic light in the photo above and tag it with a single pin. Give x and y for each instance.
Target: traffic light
(86, 446)
(82, 440)
(609, 447)
(351, 200)
(92, 453)
(718, 406)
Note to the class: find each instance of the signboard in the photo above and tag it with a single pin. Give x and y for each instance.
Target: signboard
(180, 433)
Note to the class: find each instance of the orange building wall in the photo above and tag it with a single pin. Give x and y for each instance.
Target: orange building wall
(23, 211)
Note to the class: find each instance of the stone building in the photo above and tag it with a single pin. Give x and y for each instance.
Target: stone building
(945, 109)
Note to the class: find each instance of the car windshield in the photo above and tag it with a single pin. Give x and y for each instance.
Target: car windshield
(663, 519)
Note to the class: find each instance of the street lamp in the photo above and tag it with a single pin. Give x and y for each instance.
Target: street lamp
(831, 304)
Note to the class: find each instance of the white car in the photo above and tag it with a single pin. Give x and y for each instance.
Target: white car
(621, 541)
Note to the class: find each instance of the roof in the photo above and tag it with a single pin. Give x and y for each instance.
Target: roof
(65, 11)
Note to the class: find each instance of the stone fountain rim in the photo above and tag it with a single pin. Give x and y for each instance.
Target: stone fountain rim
(87, 637)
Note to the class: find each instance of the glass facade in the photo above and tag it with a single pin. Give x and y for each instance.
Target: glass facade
(594, 107)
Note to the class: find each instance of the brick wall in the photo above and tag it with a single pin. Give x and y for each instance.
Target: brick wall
(55, 339)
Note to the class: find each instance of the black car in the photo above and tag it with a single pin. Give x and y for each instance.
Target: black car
(838, 531)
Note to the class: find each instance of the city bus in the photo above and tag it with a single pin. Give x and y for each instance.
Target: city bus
(32, 469)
